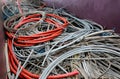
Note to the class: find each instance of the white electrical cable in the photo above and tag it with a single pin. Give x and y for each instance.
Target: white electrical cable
(16, 77)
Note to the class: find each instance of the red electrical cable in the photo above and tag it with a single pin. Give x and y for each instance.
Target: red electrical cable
(41, 36)
(28, 75)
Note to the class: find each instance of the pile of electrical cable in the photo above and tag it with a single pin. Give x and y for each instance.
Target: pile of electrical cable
(53, 44)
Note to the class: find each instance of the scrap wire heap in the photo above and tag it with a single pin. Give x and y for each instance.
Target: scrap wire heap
(53, 44)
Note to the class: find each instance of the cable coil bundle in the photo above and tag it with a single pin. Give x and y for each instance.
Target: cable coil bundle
(40, 36)
(12, 32)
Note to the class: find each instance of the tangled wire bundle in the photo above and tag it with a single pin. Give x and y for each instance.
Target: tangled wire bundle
(53, 44)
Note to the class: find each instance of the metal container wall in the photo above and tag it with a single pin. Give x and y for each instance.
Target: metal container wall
(104, 12)
(3, 72)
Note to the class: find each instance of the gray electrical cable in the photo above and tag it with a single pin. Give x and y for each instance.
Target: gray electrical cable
(93, 48)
